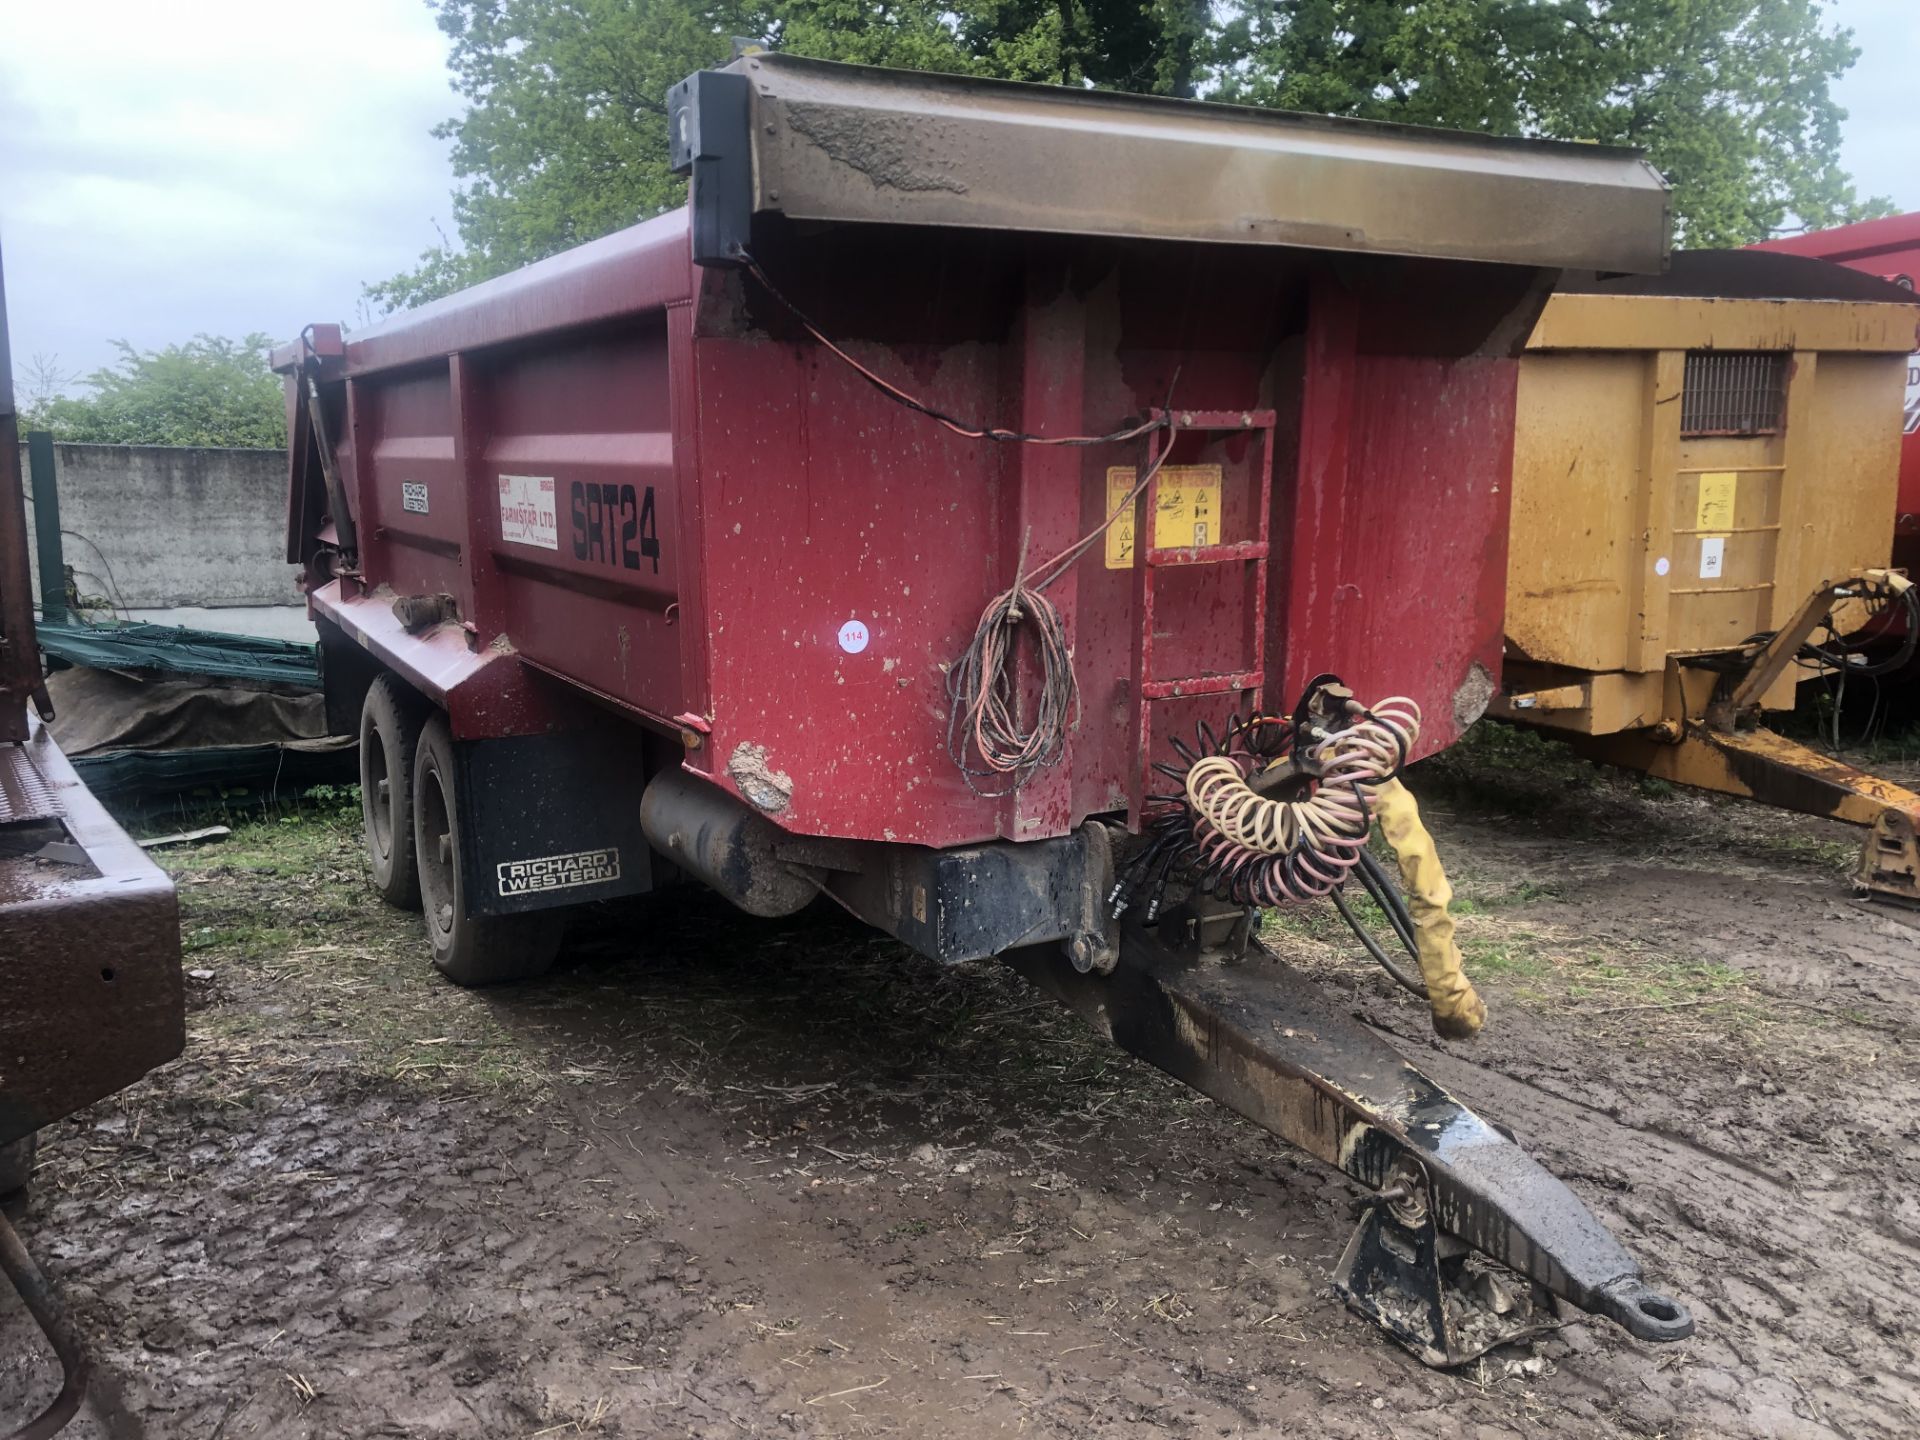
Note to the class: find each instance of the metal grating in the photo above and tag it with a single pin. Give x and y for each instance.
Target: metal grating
(24, 793)
(1733, 393)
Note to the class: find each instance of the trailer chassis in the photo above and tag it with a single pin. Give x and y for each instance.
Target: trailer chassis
(1467, 1240)
(90, 984)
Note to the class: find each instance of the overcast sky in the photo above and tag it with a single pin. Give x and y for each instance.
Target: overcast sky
(237, 165)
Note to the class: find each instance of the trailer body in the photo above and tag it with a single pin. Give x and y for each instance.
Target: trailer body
(1702, 472)
(1695, 454)
(636, 478)
(657, 559)
(90, 989)
(91, 994)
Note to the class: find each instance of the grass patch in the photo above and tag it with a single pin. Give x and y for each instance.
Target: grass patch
(1837, 856)
(1540, 969)
(1524, 960)
(298, 972)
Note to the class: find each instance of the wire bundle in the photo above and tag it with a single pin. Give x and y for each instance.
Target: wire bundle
(983, 706)
(965, 428)
(1851, 654)
(981, 699)
(1845, 656)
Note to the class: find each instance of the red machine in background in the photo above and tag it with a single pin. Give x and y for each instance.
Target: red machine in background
(1889, 248)
(967, 462)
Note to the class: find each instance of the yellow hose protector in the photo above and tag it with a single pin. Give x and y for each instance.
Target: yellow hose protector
(1458, 1010)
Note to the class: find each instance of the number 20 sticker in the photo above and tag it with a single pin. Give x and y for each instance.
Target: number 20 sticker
(853, 637)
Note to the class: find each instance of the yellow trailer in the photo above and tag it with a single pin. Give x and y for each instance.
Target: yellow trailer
(1705, 467)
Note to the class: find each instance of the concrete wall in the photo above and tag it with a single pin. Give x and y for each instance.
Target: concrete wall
(158, 526)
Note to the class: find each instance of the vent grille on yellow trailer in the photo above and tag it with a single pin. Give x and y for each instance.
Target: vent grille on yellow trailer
(1733, 394)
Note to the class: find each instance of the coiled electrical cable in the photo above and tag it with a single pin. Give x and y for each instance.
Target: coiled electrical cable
(983, 708)
(982, 702)
(1222, 831)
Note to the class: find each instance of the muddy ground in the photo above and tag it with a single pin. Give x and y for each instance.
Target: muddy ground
(724, 1177)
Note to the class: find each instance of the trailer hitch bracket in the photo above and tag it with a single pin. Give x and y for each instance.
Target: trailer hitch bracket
(1452, 1192)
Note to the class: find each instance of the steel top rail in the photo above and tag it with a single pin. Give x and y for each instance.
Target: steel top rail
(839, 142)
(642, 267)
(856, 144)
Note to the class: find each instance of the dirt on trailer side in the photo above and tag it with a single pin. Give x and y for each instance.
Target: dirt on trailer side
(720, 1176)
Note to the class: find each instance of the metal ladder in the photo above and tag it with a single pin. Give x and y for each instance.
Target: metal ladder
(1149, 559)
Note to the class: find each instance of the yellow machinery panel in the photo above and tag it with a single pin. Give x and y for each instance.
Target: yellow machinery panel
(1649, 522)
(1701, 481)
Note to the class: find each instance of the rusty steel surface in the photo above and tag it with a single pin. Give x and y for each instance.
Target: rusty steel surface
(1890, 860)
(90, 991)
(90, 988)
(845, 143)
(1266, 1041)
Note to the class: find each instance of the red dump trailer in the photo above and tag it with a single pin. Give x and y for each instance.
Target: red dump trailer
(1889, 248)
(891, 521)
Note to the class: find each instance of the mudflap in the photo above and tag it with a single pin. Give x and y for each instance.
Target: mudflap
(1469, 1239)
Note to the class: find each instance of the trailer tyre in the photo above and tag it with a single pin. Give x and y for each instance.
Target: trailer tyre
(390, 722)
(468, 949)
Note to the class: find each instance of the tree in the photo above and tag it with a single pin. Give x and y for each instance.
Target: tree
(41, 381)
(209, 391)
(564, 135)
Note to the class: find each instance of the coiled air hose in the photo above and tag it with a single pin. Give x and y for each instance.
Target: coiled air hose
(1277, 811)
(1300, 849)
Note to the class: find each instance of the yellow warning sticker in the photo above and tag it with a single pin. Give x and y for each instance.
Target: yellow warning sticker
(1188, 513)
(1716, 500)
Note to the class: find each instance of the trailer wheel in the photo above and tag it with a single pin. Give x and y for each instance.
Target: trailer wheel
(16, 1166)
(390, 722)
(468, 949)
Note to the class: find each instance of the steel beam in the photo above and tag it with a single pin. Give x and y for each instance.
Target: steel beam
(1261, 1038)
